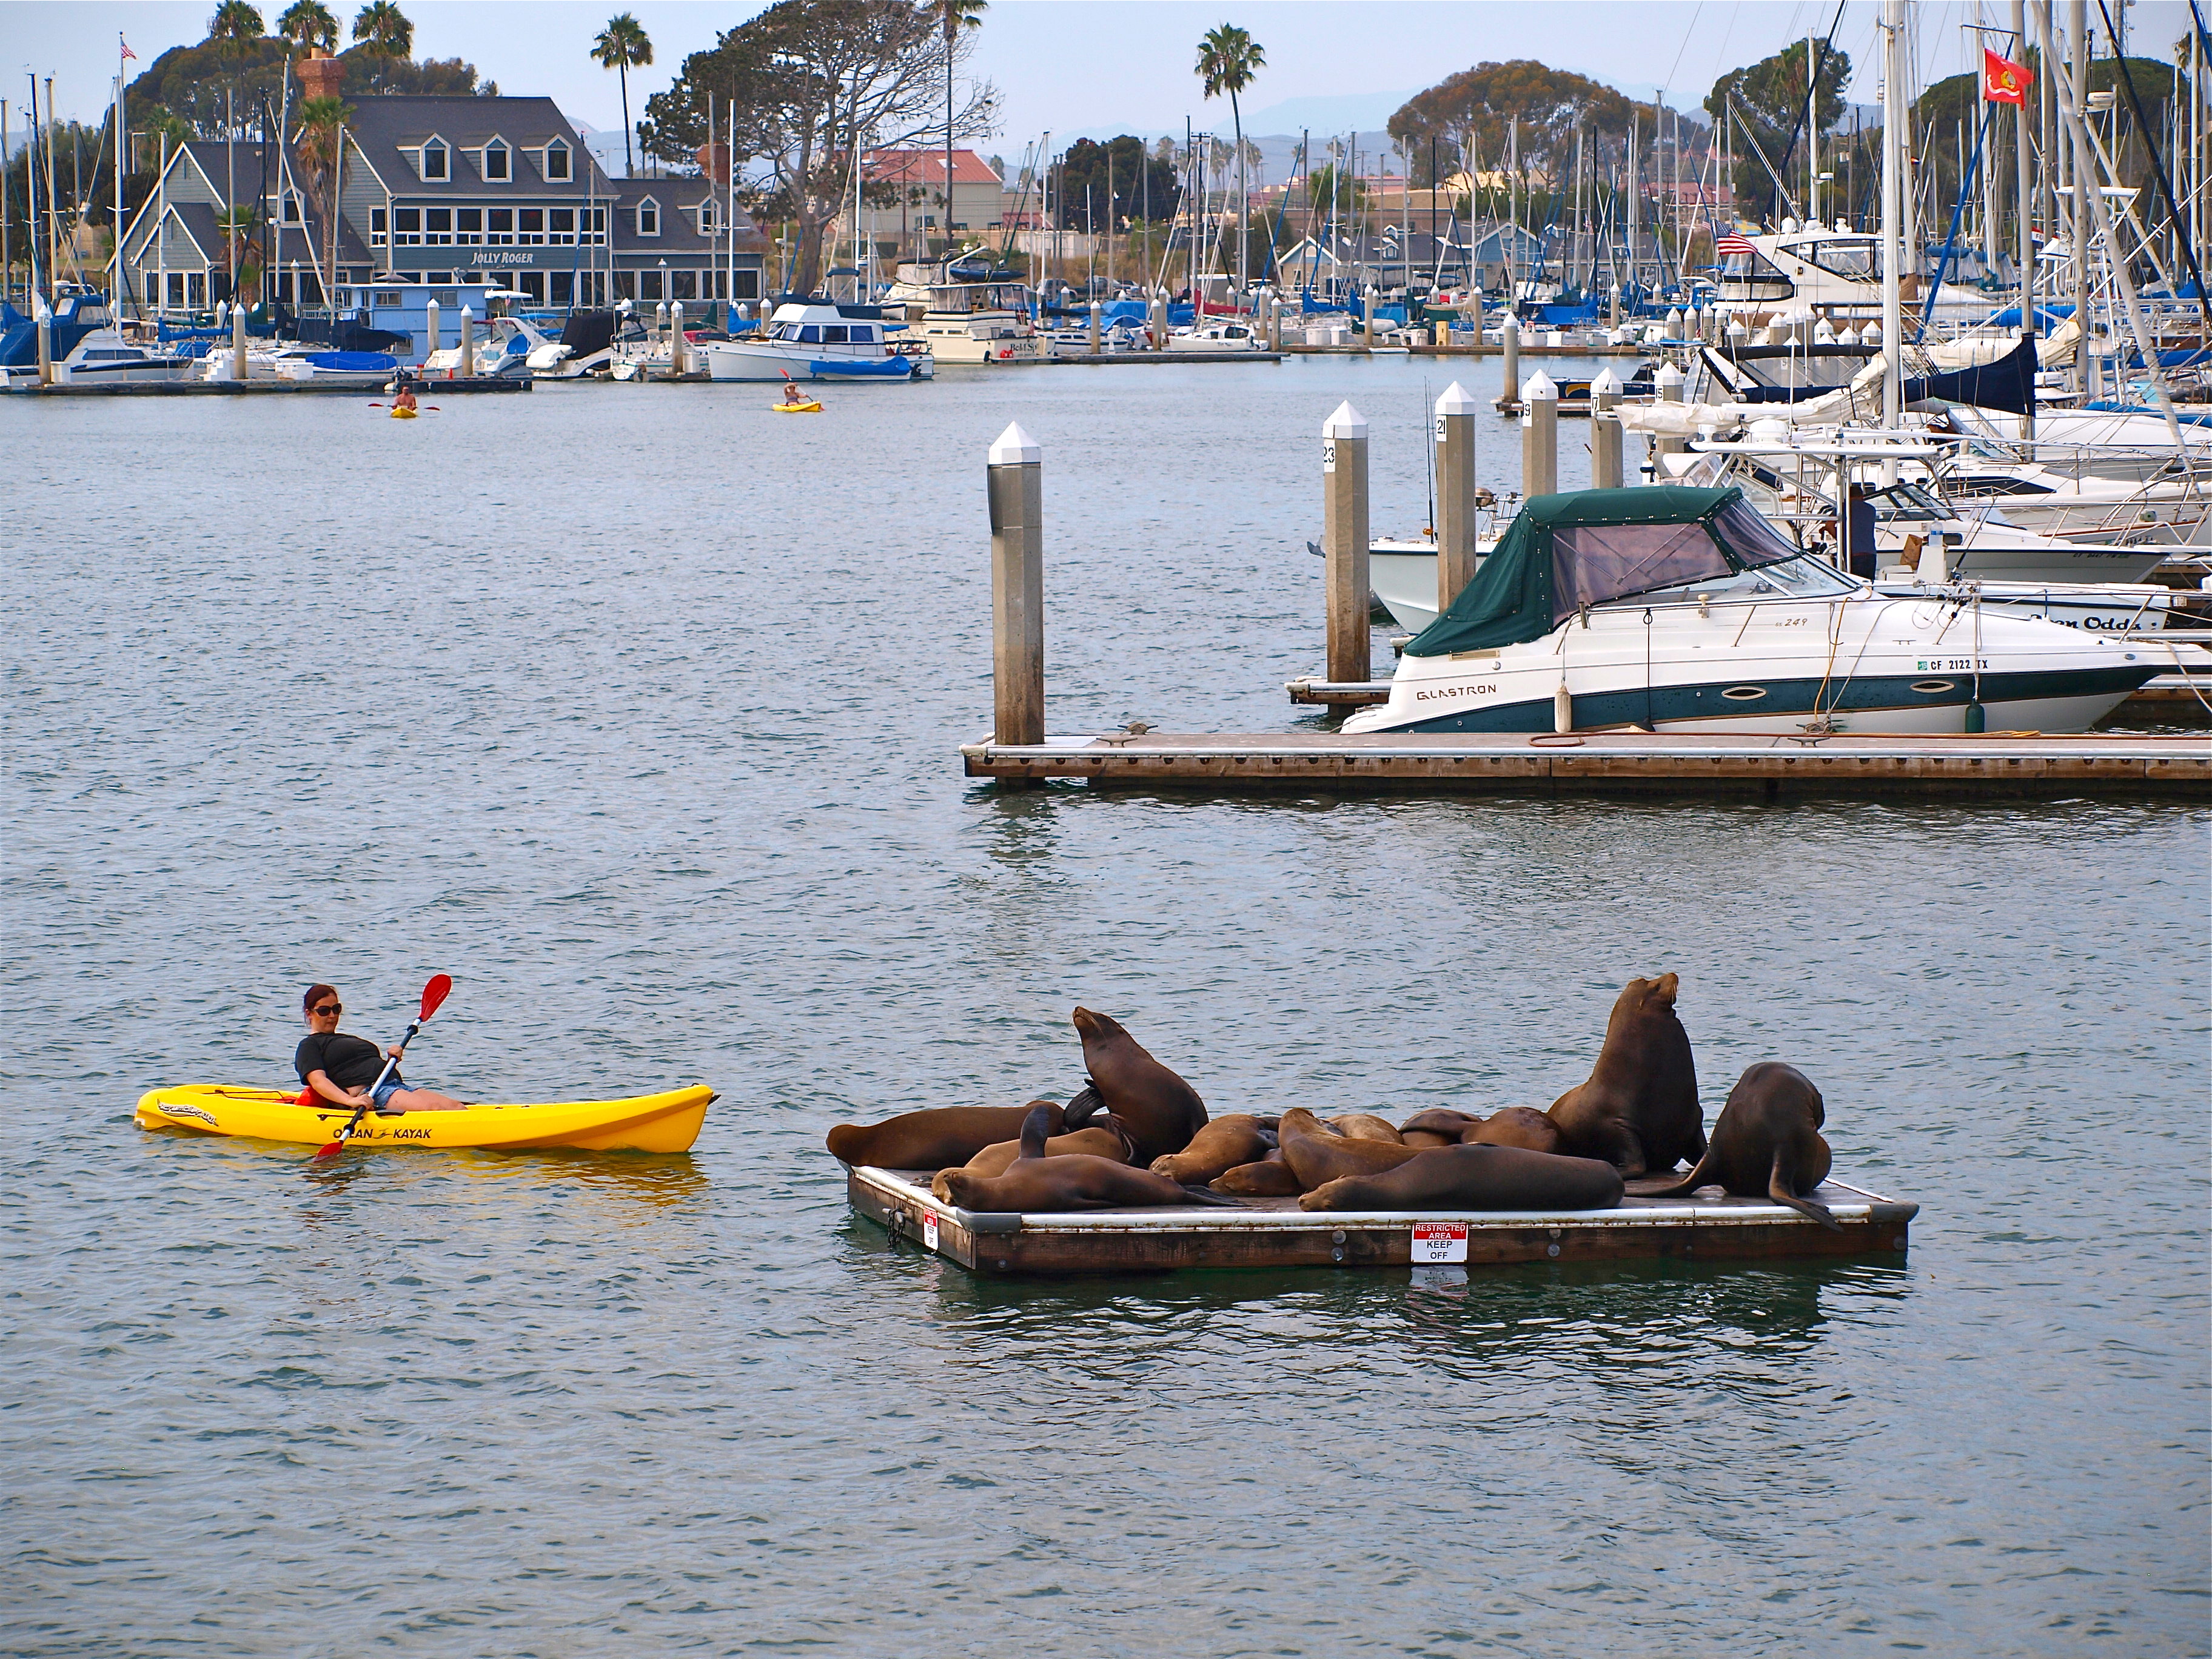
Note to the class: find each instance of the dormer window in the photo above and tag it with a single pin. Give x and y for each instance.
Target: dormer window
(556, 162)
(707, 217)
(649, 217)
(436, 166)
(498, 162)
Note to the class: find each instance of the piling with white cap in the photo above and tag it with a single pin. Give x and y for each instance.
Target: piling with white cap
(1539, 435)
(1016, 488)
(1667, 384)
(430, 329)
(1454, 435)
(1605, 432)
(45, 332)
(676, 342)
(1096, 312)
(1155, 315)
(238, 342)
(468, 364)
(1369, 341)
(1344, 532)
(1674, 322)
(1508, 341)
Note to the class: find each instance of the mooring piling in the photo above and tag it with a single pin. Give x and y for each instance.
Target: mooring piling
(1016, 489)
(1539, 436)
(1509, 343)
(468, 363)
(1344, 543)
(238, 342)
(1605, 432)
(1454, 527)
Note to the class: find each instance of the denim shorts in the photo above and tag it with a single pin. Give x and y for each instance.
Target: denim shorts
(383, 1092)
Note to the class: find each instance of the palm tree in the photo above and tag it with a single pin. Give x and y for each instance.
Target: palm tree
(623, 45)
(384, 31)
(234, 23)
(307, 23)
(1227, 56)
(322, 123)
(957, 16)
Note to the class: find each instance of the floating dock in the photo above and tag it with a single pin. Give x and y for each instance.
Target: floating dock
(1274, 1232)
(1512, 761)
(1168, 356)
(438, 386)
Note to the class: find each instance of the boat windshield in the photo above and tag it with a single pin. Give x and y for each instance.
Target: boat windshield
(1908, 501)
(1799, 577)
(1857, 258)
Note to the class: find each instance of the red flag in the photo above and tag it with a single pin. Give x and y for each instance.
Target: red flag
(2004, 81)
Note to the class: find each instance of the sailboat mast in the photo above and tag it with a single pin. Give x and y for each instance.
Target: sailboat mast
(2024, 248)
(1894, 100)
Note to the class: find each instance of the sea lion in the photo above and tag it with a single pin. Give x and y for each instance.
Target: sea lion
(1474, 1177)
(1219, 1147)
(1638, 1111)
(944, 1135)
(1317, 1153)
(1365, 1125)
(1439, 1126)
(1765, 1144)
(1271, 1177)
(1036, 1181)
(1104, 1138)
(1161, 1111)
(1516, 1126)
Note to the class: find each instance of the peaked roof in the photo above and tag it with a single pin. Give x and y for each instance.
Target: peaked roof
(382, 127)
(927, 166)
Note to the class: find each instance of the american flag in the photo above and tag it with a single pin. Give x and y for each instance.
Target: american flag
(1734, 243)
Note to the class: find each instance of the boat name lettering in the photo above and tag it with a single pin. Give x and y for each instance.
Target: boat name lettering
(1953, 665)
(1444, 691)
(208, 1118)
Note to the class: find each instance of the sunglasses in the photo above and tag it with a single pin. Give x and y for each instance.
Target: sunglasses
(328, 1008)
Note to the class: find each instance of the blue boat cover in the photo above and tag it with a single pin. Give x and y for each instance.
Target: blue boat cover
(354, 362)
(860, 368)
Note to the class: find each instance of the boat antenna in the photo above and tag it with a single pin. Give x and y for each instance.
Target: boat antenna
(1430, 471)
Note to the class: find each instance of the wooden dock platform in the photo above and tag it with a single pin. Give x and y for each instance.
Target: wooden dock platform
(1274, 1232)
(1520, 763)
(439, 386)
(1101, 358)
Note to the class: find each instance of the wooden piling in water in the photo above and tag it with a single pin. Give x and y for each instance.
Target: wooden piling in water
(1454, 527)
(1345, 542)
(1605, 432)
(1540, 438)
(1015, 478)
(1509, 345)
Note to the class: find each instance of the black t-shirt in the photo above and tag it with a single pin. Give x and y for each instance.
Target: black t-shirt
(351, 1062)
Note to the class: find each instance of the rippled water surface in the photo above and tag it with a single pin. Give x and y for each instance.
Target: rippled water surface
(636, 710)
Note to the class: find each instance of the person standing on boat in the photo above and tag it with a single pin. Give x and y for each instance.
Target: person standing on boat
(343, 1069)
(1858, 532)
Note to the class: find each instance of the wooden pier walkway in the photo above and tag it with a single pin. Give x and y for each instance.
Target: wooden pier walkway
(1274, 1232)
(1458, 762)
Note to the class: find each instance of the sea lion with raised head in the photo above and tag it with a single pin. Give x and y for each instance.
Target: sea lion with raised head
(1161, 1111)
(1316, 1153)
(1439, 1126)
(1219, 1147)
(1036, 1182)
(1765, 1144)
(1270, 1178)
(944, 1135)
(1524, 1126)
(1475, 1177)
(1366, 1126)
(1638, 1111)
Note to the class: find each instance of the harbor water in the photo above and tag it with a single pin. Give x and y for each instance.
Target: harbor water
(636, 710)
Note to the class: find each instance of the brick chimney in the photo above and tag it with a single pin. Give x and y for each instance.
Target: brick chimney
(713, 160)
(320, 74)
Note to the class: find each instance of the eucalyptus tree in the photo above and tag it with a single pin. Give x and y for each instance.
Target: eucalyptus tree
(622, 46)
(1228, 57)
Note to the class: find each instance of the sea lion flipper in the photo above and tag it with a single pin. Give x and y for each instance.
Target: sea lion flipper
(1079, 1109)
(1778, 1190)
(1688, 1183)
(1207, 1196)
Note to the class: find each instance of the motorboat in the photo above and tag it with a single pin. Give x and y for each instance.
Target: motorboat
(809, 340)
(1676, 608)
(265, 361)
(1832, 272)
(509, 348)
(972, 314)
(85, 347)
(1221, 334)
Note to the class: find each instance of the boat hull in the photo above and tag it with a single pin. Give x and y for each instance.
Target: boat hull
(666, 1123)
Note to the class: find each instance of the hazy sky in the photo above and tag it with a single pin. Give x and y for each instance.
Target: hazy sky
(1081, 65)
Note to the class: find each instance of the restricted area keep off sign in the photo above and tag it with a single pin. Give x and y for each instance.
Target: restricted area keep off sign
(1439, 1240)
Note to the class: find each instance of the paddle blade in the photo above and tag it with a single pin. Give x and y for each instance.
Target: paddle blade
(330, 1151)
(434, 994)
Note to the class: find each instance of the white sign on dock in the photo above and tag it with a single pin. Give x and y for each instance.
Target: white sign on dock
(929, 1230)
(1439, 1240)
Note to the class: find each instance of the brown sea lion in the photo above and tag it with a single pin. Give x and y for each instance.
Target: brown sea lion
(1161, 1111)
(1037, 1181)
(1219, 1147)
(1524, 1126)
(1439, 1126)
(1473, 1177)
(1365, 1125)
(1270, 1178)
(1765, 1144)
(1639, 1109)
(945, 1135)
(1316, 1153)
(1102, 1138)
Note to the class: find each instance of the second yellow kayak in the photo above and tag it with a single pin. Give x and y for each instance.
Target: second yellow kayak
(667, 1122)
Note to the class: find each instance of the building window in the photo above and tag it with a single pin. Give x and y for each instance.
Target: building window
(379, 227)
(502, 225)
(648, 286)
(598, 218)
(748, 285)
(292, 207)
(533, 226)
(649, 217)
(626, 285)
(682, 284)
(407, 226)
(438, 223)
(497, 164)
(562, 222)
(387, 296)
(177, 287)
(707, 217)
(556, 162)
(534, 284)
(436, 163)
(564, 287)
(468, 225)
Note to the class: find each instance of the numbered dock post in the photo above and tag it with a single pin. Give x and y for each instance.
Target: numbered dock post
(1539, 436)
(431, 331)
(1667, 384)
(45, 332)
(1508, 341)
(676, 342)
(238, 342)
(467, 369)
(1096, 312)
(1605, 432)
(1156, 317)
(1344, 543)
(1016, 485)
(1367, 337)
(1454, 438)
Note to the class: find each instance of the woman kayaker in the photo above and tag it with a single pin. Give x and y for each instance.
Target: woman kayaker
(341, 1069)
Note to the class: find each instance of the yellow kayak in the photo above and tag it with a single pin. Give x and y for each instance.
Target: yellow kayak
(640, 1123)
(402, 414)
(811, 407)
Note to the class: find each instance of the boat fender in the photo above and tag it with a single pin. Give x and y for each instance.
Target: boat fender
(1006, 354)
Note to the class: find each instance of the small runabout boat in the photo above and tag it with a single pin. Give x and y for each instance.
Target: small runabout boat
(666, 1122)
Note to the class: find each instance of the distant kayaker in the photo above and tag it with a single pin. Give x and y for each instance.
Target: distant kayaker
(342, 1068)
(791, 392)
(404, 397)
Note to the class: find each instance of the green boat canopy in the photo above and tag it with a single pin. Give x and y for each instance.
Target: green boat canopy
(1586, 547)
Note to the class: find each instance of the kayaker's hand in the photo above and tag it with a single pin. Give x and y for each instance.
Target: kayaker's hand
(392, 1052)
